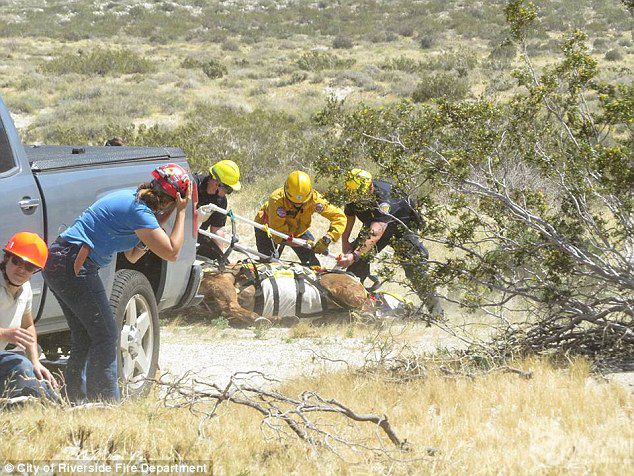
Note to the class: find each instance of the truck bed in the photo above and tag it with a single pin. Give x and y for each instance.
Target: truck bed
(55, 157)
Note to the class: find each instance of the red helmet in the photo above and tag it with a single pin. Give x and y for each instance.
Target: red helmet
(28, 246)
(172, 179)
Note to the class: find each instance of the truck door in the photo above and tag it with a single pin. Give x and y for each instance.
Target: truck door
(21, 205)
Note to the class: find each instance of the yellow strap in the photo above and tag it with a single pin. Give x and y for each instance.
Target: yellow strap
(265, 229)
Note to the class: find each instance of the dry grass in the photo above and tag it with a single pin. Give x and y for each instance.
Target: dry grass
(560, 421)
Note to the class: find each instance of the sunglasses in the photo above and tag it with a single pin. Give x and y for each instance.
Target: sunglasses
(228, 190)
(30, 267)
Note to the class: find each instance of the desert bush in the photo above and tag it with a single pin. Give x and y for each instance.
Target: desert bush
(27, 103)
(440, 86)
(402, 85)
(212, 68)
(321, 60)
(259, 90)
(101, 62)
(613, 55)
(600, 44)
(357, 78)
(230, 45)
(342, 43)
(625, 42)
(505, 51)
(401, 63)
(382, 36)
(532, 198)
(499, 83)
(294, 78)
(404, 30)
(259, 141)
(191, 63)
(426, 42)
(462, 62)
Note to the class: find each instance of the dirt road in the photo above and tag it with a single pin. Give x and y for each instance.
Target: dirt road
(278, 353)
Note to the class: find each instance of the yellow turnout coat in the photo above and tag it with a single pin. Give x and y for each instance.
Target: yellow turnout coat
(279, 213)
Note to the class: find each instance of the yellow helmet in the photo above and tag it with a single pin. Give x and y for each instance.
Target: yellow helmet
(298, 188)
(228, 172)
(358, 179)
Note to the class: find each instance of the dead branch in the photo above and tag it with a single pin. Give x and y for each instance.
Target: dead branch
(302, 415)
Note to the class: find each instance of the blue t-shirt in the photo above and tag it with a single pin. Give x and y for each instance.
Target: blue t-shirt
(108, 225)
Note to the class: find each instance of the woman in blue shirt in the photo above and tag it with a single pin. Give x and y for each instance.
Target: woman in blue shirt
(122, 221)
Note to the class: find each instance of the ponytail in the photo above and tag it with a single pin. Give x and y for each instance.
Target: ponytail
(146, 193)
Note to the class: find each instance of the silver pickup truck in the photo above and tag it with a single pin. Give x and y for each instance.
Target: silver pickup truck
(44, 188)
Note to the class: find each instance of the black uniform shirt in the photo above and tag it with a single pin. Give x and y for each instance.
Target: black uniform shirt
(216, 219)
(385, 201)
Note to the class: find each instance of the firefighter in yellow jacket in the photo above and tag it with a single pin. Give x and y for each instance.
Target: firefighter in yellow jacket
(290, 210)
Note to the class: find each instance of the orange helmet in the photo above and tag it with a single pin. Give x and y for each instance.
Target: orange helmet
(172, 179)
(28, 246)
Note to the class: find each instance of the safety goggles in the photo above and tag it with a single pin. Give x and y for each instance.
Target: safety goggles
(227, 189)
(22, 263)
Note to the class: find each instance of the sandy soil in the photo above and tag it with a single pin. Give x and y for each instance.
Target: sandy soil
(216, 356)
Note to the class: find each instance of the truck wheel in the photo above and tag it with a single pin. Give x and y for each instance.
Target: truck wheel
(135, 309)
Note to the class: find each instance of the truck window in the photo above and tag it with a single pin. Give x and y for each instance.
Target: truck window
(6, 156)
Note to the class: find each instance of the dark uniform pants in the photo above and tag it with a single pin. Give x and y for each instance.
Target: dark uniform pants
(410, 253)
(266, 246)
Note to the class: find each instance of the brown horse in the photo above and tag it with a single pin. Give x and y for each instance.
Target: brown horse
(247, 294)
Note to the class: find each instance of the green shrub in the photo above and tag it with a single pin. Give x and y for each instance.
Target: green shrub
(613, 55)
(191, 63)
(24, 103)
(357, 78)
(214, 69)
(295, 77)
(440, 85)
(230, 45)
(504, 51)
(406, 31)
(600, 44)
(461, 62)
(426, 42)
(259, 90)
(382, 37)
(321, 60)
(260, 141)
(102, 62)
(342, 43)
(401, 63)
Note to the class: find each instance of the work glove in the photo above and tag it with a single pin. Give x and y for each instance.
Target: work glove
(321, 246)
(204, 212)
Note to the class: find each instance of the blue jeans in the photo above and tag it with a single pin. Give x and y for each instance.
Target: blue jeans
(17, 378)
(91, 371)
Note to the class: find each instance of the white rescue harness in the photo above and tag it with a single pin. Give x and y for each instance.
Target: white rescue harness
(289, 290)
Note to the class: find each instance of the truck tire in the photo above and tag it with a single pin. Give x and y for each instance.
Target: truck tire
(134, 306)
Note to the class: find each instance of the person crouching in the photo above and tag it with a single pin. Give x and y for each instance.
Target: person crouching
(21, 374)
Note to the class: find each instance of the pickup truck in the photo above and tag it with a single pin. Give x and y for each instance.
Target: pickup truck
(45, 188)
